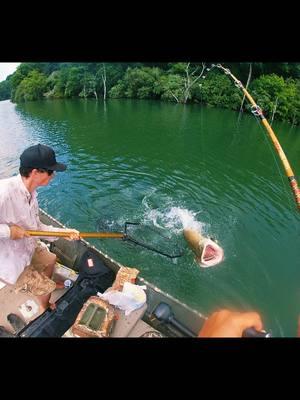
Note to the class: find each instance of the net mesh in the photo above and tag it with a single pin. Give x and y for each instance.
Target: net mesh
(151, 238)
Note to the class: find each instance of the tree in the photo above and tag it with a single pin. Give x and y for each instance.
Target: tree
(75, 79)
(57, 83)
(32, 87)
(108, 75)
(218, 90)
(169, 87)
(89, 86)
(275, 86)
(192, 75)
(272, 92)
(5, 89)
(138, 83)
(102, 73)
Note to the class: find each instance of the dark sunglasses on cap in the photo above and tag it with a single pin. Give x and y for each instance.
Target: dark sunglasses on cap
(49, 171)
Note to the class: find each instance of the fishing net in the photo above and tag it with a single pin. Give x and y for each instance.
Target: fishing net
(149, 237)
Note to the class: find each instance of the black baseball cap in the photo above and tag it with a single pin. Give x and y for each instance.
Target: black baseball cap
(41, 156)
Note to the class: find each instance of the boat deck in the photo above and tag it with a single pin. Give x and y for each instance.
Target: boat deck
(21, 304)
(27, 308)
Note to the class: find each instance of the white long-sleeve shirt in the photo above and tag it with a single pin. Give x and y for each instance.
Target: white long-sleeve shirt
(17, 207)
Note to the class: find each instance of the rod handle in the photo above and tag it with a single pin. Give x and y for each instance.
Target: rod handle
(252, 332)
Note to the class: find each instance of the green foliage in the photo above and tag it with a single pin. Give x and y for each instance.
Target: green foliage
(89, 85)
(218, 90)
(32, 87)
(170, 87)
(272, 93)
(274, 86)
(114, 72)
(55, 83)
(177, 68)
(5, 89)
(118, 91)
(138, 83)
(74, 83)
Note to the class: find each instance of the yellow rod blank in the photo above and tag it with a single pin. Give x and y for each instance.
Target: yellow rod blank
(288, 170)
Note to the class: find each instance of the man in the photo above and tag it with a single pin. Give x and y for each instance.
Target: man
(24, 261)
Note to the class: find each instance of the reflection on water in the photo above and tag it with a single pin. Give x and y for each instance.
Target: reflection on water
(170, 165)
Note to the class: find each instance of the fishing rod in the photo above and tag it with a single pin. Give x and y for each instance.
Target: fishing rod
(257, 111)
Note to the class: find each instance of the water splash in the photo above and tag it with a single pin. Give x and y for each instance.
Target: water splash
(187, 218)
(174, 219)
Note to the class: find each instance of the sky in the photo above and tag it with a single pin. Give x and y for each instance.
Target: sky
(7, 69)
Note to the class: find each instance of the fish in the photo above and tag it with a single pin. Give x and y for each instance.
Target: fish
(207, 252)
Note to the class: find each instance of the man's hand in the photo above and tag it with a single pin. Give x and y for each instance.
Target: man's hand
(73, 234)
(16, 232)
(226, 323)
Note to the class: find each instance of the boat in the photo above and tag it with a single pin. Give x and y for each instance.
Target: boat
(162, 315)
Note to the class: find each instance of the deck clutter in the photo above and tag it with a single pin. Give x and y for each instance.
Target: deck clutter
(101, 314)
(104, 299)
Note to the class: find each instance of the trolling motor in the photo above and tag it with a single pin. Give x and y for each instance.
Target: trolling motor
(164, 314)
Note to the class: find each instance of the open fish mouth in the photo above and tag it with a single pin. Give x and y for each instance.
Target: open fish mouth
(208, 253)
(212, 253)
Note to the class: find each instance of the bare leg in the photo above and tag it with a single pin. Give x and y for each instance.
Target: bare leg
(49, 272)
(44, 300)
(50, 269)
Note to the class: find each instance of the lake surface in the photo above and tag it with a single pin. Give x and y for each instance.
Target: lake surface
(168, 166)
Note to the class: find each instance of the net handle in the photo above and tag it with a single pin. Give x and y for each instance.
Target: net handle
(105, 235)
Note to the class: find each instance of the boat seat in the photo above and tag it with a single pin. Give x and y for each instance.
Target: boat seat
(125, 324)
(61, 273)
(141, 329)
(17, 303)
(12, 302)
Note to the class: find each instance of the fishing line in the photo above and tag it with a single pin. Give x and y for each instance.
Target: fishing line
(246, 87)
(201, 124)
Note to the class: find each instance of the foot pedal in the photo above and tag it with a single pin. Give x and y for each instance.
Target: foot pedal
(16, 322)
(5, 333)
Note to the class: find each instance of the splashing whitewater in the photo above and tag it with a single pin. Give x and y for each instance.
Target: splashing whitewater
(175, 219)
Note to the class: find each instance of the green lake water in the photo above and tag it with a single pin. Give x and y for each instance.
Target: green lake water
(168, 166)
